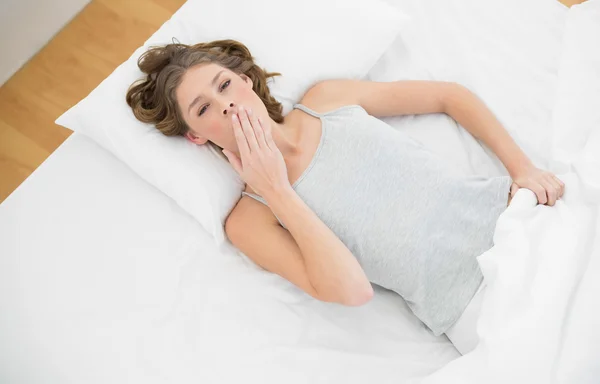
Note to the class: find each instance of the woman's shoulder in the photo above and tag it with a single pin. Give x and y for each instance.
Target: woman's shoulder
(326, 96)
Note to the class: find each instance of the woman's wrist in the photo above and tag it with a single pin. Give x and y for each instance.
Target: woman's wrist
(279, 193)
(520, 165)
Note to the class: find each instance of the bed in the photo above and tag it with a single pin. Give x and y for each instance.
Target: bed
(104, 279)
(109, 281)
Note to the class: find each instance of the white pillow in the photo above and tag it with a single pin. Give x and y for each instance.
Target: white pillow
(311, 41)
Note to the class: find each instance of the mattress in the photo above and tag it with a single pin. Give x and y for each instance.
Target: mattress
(105, 279)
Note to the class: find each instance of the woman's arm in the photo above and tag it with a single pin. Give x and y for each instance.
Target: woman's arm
(330, 266)
(333, 272)
(470, 112)
(414, 97)
(419, 97)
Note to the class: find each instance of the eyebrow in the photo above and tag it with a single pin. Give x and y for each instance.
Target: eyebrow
(212, 83)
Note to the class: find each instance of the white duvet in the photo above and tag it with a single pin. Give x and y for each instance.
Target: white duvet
(540, 317)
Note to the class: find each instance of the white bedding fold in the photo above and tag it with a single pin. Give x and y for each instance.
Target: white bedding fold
(539, 319)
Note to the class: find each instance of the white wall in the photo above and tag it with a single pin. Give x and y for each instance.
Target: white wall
(27, 25)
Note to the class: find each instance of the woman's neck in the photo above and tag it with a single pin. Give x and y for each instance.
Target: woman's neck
(287, 136)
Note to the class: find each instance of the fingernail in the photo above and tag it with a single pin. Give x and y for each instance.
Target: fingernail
(241, 109)
(233, 117)
(249, 111)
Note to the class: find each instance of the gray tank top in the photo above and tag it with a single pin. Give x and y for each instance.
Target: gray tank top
(414, 222)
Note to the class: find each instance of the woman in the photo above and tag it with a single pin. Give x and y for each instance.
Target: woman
(335, 199)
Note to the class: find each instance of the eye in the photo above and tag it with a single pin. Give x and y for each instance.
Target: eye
(225, 84)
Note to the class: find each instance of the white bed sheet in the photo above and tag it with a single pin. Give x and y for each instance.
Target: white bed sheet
(104, 279)
(507, 52)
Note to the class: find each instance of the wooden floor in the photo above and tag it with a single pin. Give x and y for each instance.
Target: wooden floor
(71, 65)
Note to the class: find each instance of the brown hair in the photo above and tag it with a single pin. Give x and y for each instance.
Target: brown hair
(152, 98)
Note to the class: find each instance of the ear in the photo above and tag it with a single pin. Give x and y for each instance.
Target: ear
(195, 139)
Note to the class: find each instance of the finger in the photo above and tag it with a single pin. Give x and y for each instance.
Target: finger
(513, 189)
(553, 182)
(562, 185)
(248, 130)
(540, 192)
(268, 134)
(550, 191)
(258, 129)
(240, 138)
(555, 185)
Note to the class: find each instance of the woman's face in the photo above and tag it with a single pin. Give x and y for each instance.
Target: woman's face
(207, 97)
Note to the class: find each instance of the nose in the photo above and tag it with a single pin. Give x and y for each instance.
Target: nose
(229, 109)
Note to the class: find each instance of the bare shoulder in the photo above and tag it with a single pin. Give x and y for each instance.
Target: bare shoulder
(328, 95)
(248, 209)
